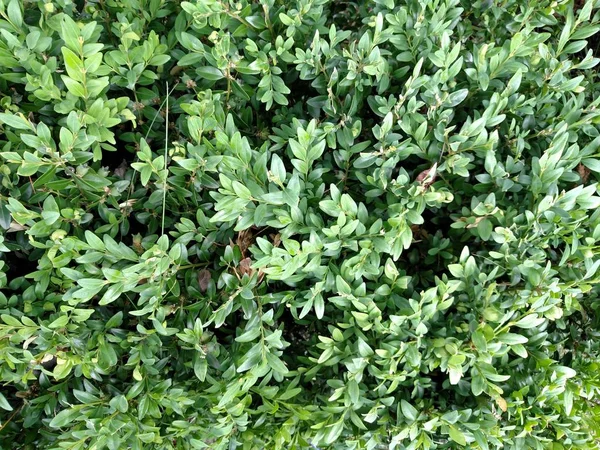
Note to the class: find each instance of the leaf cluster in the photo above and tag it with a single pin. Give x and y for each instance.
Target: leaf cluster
(234, 224)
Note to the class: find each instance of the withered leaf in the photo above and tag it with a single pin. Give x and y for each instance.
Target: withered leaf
(276, 239)
(428, 176)
(14, 227)
(204, 278)
(583, 172)
(244, 240)
(121, 170)
(245, 267)
(502, 404)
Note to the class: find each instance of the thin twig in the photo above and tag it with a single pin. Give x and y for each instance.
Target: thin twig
(132, 187)
(11, 417)
(166, 170)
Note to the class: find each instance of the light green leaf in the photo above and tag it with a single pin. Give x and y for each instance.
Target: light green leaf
(4, 403)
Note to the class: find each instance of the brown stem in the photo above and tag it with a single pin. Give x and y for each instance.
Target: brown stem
(11, 417)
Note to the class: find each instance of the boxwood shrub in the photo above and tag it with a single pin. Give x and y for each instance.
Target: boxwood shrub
(302, 224)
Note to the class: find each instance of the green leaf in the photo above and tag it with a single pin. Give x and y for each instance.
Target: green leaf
(319, 305)
(73, 86)
(64, 418)
(241, 190)
(210, 73)
(249, 335)
(342, 286)
(200, 368)
(4, 403)
(252, 358)
(456, 435)
(61, 322)
(119, 403)
(91, 283)
(333, 432)
(276, 364)
(94, 241)
(592, 164)
(95, 87)
(73, 64)
(107, 357)
(530, 321)
(353, 391)
(485, 227)
(5, 218)
(457, 97)
(70, 33)
(512, 338)
(159, 60)
(18, 122)
(10, 320)
(409, 411)
(14, 13)
(112, 293)
(478, 383)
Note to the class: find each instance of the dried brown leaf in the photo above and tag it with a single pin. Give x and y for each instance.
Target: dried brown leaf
(244, 240)
(276, 238)
(245, 267)
(14, 227)
(204, 278)
(121, 170)
(583, 172)
(428, 176)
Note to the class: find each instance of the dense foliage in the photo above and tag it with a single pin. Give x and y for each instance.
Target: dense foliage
(299, 224)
